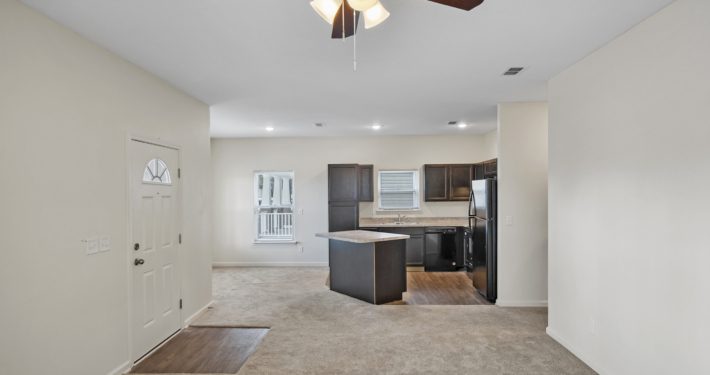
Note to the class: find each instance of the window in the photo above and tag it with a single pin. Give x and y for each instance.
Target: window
(399, 190)
(156, 172)
(274, 203)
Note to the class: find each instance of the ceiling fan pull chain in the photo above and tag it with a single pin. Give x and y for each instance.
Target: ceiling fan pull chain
(354, 43)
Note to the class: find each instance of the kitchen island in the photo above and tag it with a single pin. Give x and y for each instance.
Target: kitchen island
(366, 265)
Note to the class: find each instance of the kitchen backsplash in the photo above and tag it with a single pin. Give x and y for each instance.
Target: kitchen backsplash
(428, 209)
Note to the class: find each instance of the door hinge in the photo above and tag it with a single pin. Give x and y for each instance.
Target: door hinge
(180, 238)
(180, 303)
(179, 172)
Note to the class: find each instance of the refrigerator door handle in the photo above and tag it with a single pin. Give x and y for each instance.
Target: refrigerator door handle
(471, 203)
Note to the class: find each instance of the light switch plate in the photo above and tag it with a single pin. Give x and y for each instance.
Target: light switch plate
(92, 245)
(105, 243)
(509, 221)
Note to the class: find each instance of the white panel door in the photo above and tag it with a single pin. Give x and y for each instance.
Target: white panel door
(154, 245)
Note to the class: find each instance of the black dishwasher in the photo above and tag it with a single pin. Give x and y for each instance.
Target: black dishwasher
(440, 249)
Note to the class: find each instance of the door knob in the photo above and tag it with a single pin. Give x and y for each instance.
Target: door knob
(138, 261)
(136, 246)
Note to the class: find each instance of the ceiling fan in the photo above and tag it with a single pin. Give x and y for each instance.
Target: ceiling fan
(345, 14)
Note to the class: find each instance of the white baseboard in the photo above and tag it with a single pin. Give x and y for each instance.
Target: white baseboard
(121, 369)
(595, 366)
(505, 303)
(269, 264)
(194, 316)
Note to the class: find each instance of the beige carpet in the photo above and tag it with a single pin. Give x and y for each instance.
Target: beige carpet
(316, 331)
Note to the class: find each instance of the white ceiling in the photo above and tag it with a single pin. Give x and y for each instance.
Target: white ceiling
(266, 63)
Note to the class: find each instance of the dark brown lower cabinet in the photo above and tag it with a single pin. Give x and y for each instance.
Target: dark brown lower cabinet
(343, 216)
(415, 250)
(414, 244)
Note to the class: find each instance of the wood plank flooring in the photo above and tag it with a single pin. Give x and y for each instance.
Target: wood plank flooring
(441, 288)
(203, 350)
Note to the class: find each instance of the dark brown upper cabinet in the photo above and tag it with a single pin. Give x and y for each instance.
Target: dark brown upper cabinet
(460, 177)
(436, 182)
(366, 188)
(490, 168)
(452, 182)
(478, 172)
(343, 183)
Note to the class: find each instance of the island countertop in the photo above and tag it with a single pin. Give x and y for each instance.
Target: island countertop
(362, 236)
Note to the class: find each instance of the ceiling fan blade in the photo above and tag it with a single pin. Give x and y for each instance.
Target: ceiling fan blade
(350, 23)
(461, 4)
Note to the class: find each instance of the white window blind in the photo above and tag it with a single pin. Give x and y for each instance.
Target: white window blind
(399, 190)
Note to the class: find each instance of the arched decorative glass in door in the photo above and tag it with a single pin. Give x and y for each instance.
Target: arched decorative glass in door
(157, 172)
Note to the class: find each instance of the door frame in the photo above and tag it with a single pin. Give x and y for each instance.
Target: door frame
(129, 236)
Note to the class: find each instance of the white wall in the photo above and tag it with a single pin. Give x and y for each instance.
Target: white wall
(235, 160)
(522, 204)
(66, 107)
(490, 141)
(629, 200)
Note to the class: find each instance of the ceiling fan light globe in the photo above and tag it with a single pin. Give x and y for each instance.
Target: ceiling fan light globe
(362, 5)
(327, 9)
(375, 15)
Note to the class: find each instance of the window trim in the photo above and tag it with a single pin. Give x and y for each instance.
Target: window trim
(255, 209)
(417, 190)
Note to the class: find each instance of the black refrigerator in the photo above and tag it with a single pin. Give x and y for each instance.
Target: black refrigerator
(481, 247)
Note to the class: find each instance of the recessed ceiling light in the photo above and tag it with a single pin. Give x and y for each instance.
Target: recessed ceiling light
(462, 125)
(376, 127)
(269, 128)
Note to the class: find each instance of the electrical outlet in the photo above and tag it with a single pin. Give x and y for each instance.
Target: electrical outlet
(300, 249)
(92, 245)
(300, 211)
(509, 221)
(105, 243)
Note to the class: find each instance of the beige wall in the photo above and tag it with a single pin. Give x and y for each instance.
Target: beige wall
(235, 160)
(66, 108)
(522, 204)
(629, 176)
(490, 141)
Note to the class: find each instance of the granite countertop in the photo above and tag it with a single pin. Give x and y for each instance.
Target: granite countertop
(362, 236)
(409, 222)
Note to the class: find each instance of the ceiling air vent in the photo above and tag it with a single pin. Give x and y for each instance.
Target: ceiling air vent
(453, 122)
(319, 124)
(513, 71)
